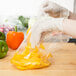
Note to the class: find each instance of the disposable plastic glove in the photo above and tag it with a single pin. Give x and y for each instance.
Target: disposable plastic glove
(44, 24)
(52, 9)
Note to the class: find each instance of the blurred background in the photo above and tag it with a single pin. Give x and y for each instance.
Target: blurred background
(28, 7)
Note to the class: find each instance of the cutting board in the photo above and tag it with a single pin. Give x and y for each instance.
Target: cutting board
(63, 62)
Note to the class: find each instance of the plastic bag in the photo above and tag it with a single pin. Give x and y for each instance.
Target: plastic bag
(27, 57)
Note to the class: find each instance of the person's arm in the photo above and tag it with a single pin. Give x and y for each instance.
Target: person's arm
(72, 16)
(69, 27)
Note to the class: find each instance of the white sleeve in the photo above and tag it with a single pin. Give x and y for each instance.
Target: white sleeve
(68, 4)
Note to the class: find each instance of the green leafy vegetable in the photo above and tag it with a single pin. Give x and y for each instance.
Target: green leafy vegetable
(24, 21)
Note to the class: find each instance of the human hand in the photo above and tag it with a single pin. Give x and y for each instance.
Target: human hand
(52, 9)
(42, 25)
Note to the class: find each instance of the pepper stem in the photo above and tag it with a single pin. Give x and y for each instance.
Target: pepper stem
(15, 28)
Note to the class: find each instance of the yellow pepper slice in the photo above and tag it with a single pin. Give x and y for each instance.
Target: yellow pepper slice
(31, 58)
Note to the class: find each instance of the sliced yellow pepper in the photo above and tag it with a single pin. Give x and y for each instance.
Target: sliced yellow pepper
(31, 58)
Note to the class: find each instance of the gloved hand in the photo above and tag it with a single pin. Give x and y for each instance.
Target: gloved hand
(52, 9)
(44, 24)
